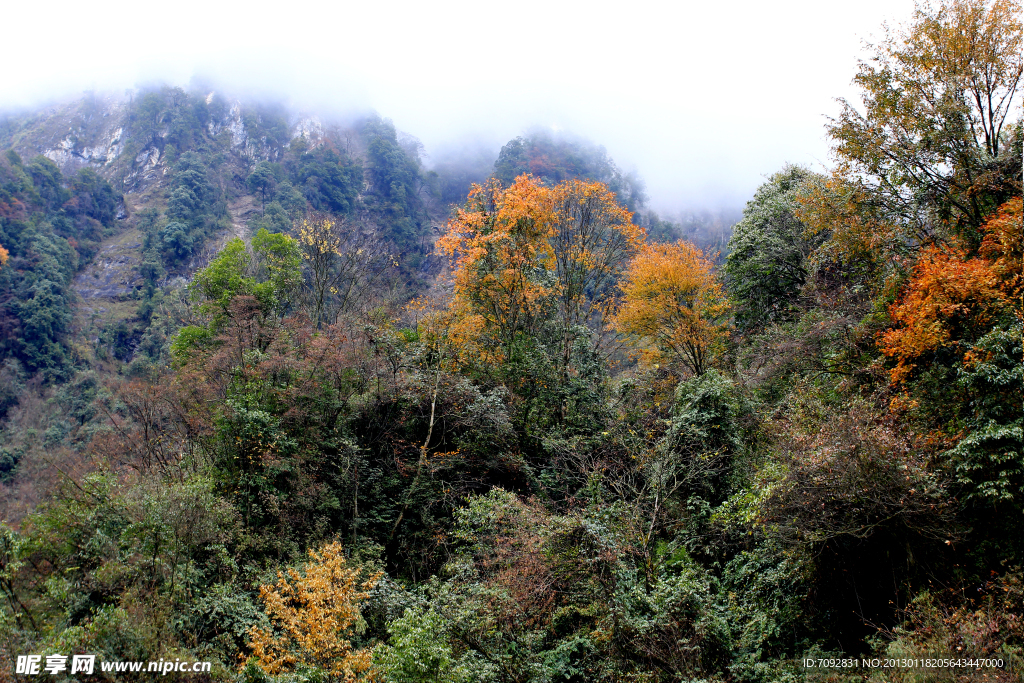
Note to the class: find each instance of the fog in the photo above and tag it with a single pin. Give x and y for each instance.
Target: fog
(701, 100)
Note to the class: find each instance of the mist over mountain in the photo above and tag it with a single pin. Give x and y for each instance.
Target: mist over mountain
(702, 102)
(139, 190)
(512, 344)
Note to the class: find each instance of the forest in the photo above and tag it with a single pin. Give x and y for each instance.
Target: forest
(277, 397)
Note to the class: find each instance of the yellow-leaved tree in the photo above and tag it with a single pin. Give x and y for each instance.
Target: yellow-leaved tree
(502, 259)
(937, 101)
(527, 253)
(593, 239)
(346, 265)
(673, 306)
(313, 615)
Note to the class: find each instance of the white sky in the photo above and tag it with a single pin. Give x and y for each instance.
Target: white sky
(702, 99)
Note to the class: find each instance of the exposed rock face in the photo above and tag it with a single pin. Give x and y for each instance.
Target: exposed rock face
(75, 135)
(236, 126)
(255, 149)
(113, 273)
(311, 128)
(95, 132)
(148, 158)
(148, 167)
(71, 149)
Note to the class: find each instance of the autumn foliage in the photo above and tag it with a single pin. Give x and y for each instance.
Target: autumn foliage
(499, 245)
(314, 612)
(528, 252)
(673, 304)
(594, 238)
(952, 299)
(1004, 245)
(522, 252)
(818, 453)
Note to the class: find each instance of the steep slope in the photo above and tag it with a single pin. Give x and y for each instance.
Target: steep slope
(131, 196)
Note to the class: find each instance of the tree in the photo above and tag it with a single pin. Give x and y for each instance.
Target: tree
(270, 274)
(315, 612)
(222, 280)
(45, 318)
(440, 358)
(766, 266)
(419, 651)
(936, 100)
(277, 267)
(343, 264)
(328, 181)
(393, 186)
(593, 239)
(976, 51)
(525, 253)
(673, 305)
(260, 180)
(989, 458)
(275, 219)
(952, 300)
(176, 241)
(965, 313)
(502, 258)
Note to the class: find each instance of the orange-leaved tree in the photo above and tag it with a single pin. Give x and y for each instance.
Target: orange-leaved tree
(593, 240)
(1003, 243)
(525, 253)
(953, 299)
(500, 247)
(673, 306)
(313, 614)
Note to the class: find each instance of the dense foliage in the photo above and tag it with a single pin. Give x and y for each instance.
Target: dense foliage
(49, 226)
(554, 159)
(578, 452)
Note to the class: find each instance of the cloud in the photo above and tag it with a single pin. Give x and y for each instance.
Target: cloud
(702, 99)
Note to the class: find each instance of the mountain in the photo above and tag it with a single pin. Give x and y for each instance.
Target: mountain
(494, 420)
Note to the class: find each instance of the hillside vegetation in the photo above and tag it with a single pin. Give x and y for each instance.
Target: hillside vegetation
(278, 397)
